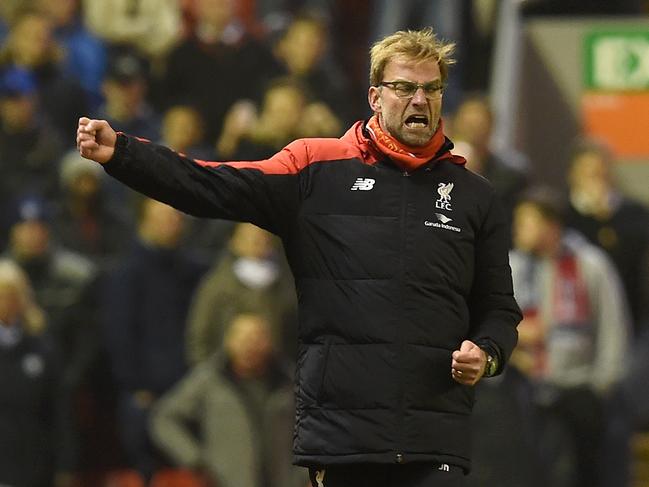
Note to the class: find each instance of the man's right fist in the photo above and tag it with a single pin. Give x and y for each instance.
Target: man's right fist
(96, 140)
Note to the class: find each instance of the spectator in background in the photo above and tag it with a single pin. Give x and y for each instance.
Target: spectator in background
(125, 89)
(231, 416)
(144, 313)
(84, 53)
(472, 124)
(609, 219)
(151, 26)
(250, 278)
(216, 65)
(183, 130)
(286, 113)
(28, 149)
(7, 9)
(319, 121)
(251, 136)
(62, 281)
(301, 53)
(33, 448)
(85, 220)
(573, 339)
(619, 226)
(30, 45)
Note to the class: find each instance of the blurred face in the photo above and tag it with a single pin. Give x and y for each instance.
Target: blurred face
(29, 239)
(181, 128)
(17, 112)
(473, 123)
(85, 185)
(251, 242)
(162, 225)
(249, 345)
(531, 229)
(412, 121)
(61, 11)
(590, 174)
(282, 110)
(10, 307)
(302, 46)
(216, 13)
(124, 98)
(31, 40)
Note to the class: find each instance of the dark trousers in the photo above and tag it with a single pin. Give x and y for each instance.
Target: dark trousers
(572, 428)
(380, 475)
(134, 434)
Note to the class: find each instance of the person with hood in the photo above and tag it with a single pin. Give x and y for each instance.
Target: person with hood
(230, 417)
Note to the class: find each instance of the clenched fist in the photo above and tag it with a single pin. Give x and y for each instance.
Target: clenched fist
(468, 364)
(96, 140)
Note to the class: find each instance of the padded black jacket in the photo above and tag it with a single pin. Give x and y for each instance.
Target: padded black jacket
(393, 270)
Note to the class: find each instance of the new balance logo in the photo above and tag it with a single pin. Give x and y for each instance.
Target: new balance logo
(444, 467)
(363, 184)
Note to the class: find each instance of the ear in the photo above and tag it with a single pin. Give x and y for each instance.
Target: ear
(374, 99)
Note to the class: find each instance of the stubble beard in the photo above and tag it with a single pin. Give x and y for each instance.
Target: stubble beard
(409, 138)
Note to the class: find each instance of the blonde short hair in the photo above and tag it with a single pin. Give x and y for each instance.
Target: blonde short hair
(415, 45)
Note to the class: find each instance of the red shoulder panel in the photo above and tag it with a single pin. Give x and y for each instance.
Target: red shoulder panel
(296, 156)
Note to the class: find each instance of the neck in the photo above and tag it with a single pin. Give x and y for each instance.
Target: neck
(408, 157)
(82, 205)
(244, 372)
(209, 33)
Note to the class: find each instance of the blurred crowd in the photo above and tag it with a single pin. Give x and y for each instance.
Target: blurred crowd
(136, 339)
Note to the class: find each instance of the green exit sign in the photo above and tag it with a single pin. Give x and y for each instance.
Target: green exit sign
(617, 60)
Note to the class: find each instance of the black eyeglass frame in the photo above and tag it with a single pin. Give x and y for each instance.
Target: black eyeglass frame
(432, 90)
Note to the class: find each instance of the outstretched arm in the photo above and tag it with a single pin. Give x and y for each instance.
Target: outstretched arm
(266, 193)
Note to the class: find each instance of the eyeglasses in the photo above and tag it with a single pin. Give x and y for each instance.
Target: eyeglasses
(407, 89)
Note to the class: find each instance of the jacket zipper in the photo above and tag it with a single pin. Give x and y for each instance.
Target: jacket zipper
(402, 253)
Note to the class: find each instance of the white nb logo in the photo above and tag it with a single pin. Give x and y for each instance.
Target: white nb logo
(444, 467)
(363, 184)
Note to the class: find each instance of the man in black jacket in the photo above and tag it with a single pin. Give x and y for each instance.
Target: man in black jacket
(400, 262)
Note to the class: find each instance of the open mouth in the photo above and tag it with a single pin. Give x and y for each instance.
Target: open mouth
(417, 121)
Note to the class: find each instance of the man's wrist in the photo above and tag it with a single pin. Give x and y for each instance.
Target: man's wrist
(491, 365)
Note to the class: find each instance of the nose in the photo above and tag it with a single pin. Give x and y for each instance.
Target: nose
(419, 98)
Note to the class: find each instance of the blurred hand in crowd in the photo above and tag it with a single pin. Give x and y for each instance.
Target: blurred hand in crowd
(238, 123)
(318, 120)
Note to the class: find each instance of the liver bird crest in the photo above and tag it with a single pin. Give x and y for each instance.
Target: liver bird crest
(444, 191)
